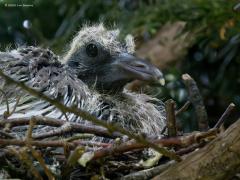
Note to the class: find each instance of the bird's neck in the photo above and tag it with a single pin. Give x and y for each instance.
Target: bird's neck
(111, 89)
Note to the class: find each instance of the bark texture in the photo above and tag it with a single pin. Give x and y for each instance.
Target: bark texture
(219, 160)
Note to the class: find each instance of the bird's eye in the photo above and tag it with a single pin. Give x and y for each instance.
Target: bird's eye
(92, 50)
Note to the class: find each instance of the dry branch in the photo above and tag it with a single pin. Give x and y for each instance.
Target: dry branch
(6, 135)
(181, 141)
(224, 116)
(23, 156)
(171, 119)
(148, 173)
(220, 159)
(197, 101)
(107, 150)
(190, 148)
(41, 161)
(183, 108)
(43, 144)
(73, 127)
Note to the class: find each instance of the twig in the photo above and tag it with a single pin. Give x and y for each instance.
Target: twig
(15, 106)
(183, 108)
(35, 154)
(164, 129)
(182, 141)
(23, 157)
(65, 115)
(171, 119)
(74, 127)
(7, 135)
(148, 173)
(225, 115)
(30, 129)
(91, 143)
(39, 120)
(196, 99)
(5, 154)
(7, 104)
(87, 116)
(39, 158)
(64, 129)
(43, 144)
(6, 127)
(190, 148)
(79, 136)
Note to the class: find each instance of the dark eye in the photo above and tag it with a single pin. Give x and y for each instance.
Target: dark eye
(92, 50)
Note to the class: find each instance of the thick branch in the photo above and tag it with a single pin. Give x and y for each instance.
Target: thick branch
(196, 99)
(220, 159)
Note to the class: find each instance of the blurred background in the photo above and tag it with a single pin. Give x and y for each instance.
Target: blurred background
(198, 37)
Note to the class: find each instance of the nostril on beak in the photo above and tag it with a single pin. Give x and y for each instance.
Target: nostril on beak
(140, 65)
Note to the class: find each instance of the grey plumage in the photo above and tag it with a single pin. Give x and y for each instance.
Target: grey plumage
(80, 80)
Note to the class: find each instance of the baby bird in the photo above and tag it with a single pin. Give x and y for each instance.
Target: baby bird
(91, 76)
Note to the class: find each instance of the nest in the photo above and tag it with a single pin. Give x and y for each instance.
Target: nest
(68, 151)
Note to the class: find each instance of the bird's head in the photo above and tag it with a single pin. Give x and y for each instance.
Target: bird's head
(102, 60)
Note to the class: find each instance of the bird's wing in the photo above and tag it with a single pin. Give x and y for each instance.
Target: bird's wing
(41, 69)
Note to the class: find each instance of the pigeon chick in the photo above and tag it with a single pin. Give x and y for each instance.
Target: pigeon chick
(91, 76)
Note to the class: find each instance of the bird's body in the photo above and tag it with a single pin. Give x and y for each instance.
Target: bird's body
(71, 81)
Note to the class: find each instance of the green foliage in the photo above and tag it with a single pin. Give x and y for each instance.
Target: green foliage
(52, 23)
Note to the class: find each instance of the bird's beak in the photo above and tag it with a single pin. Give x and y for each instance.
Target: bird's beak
(135, 68)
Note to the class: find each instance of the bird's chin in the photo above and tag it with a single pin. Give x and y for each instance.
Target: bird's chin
(114, 87)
